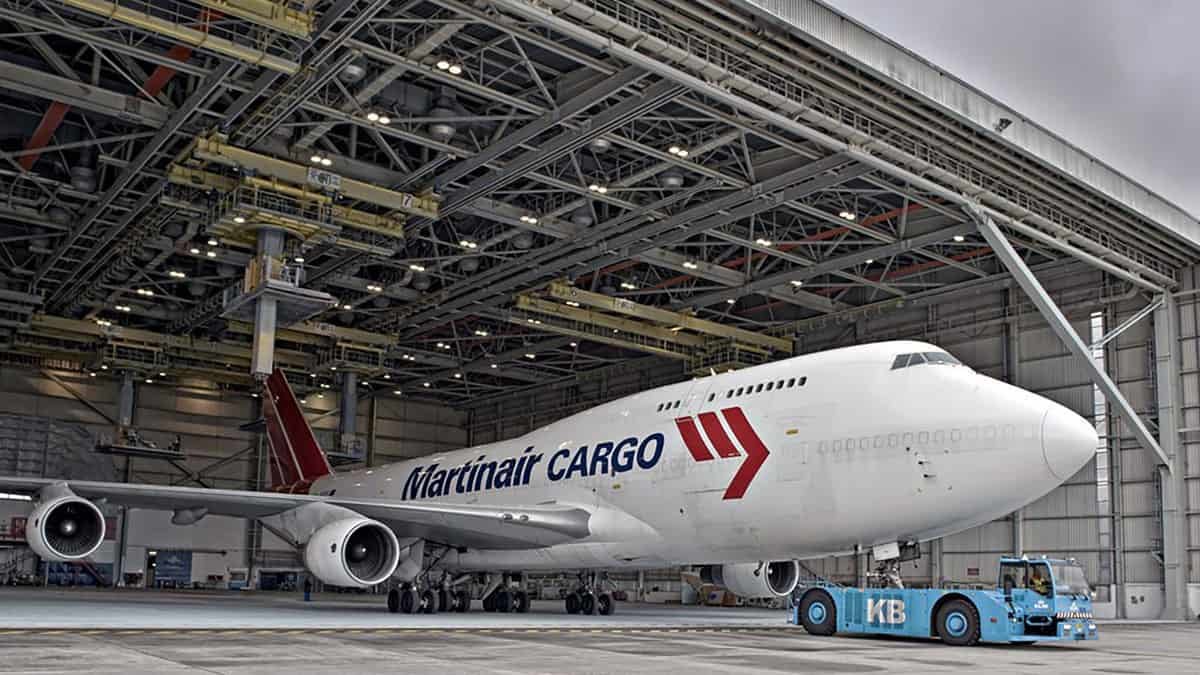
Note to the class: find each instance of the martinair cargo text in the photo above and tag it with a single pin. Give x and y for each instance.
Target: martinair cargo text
(742, 473)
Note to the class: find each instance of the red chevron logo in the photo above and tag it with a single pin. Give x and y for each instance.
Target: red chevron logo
(756, 452)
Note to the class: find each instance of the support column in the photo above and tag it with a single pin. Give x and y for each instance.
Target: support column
(1174, 503)
(372, 420)
(126, 406)
(262, 356)
(936, 563)
(1012, 375)
(1061, 327)
(348, 414)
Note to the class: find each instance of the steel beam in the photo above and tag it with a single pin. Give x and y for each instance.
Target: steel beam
(1145, 312)
(40, 84)
(1175, 489)
(1061, 327)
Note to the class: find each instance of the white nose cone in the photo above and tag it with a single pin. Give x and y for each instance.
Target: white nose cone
(1068, 441)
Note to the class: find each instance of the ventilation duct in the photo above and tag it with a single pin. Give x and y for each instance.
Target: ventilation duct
(600, 144)
(352, 72)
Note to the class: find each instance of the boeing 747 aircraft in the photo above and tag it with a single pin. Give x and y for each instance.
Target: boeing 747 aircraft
(742, 472)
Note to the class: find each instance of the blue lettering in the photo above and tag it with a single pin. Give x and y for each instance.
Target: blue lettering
(648, 462)
(622, 460)
(553, 473)
(580, 463)
(600, 458)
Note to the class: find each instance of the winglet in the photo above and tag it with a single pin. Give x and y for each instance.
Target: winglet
(296, 458)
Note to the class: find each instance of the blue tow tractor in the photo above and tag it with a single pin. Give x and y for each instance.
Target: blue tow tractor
(1036, 600)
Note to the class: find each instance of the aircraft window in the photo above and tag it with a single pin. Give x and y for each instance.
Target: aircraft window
(676, 404)
(730, 394)
(941, 357)
(803, 380)
(711, 397)
(739, 391)
(791, 382)
(779, 384)
(900, 362)
(770, 386)
(759, 389)
(660, 407)
(915, 359)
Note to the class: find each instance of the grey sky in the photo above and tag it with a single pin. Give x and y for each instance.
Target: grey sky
(1118, 78)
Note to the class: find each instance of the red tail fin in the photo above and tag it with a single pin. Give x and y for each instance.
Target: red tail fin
(296, 458)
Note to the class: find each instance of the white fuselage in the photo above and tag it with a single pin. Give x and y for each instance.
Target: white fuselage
(860, 453)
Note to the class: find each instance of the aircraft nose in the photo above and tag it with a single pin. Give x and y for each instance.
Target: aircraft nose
(1068, 441)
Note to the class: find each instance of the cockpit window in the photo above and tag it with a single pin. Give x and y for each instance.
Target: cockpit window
(918, 358)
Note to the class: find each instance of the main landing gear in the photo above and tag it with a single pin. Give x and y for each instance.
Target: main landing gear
(501, 596)
(589, 599)
(443, 596)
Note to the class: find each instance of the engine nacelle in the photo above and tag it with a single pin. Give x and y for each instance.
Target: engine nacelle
(755, 580)
(356, 552)
(64, 526)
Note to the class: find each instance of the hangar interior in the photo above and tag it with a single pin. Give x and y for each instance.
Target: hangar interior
(453, 221)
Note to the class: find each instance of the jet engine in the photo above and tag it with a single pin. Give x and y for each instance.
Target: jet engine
(754, 580)
(64, 526)
(356, 552)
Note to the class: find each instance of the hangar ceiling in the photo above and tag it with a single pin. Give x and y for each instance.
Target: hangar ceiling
(493, 193)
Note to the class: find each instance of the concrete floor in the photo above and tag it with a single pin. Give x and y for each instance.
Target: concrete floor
(86, 632)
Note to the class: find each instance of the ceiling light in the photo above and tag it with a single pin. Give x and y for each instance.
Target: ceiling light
(674, 149)
(254, 394)
(237, 219)
(531, 356)
(315, 159)
(106, 323)
(764, 242)
(325, 385)
(797, 283)
(149, 381)
(959, 238)
(426, 384)
(386, 376)
(455, 69)
(146, 292)
(731, 301)
(441, 344)
(162, 374)
(374, 288)
(212, 241)
(194, 251)
(628, 286)
(416, 268)
(616, 330)
(443, 65)
(458, 376)
(846, 215)
(298, 260)
(572, 303)
(481, 333)
(347, 306)
(373, 116)
(325, 161)
(467, 243)
(320, 395)
(529, 219)
(103, 367)
(211, 254)
(91, 374)
(176, 274)
(574, 344)
(869, 260)
(598, 188)
(494, 366)
(312, 374)
(690, 265)
(124, 308)
(683, 152)
(304, 401)
(385, 120)
(333, 367)
(397, 392)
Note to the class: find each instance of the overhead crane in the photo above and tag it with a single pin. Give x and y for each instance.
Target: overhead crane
(707, 345)
(261, 200)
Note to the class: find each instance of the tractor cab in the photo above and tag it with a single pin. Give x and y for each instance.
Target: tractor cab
(1048, 596)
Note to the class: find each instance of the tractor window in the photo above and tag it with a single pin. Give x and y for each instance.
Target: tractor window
(1012, 573)
(1069, 579)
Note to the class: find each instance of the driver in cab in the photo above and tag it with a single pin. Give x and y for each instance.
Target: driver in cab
(1038, 581)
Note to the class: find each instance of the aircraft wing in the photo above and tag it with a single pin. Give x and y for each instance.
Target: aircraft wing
(470, 525)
